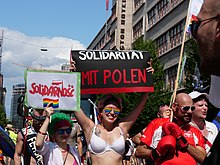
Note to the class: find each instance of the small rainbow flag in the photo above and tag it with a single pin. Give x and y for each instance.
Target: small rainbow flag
(47, 101)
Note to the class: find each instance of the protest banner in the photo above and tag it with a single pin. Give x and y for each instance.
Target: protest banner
(61, 88)
(113, 71)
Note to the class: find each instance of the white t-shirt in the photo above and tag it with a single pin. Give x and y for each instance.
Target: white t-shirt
(53, 156)
(212, 133)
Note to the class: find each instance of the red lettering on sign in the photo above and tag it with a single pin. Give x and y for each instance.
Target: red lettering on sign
(85, 75)
(133, 76)
(89, 77)
(142, 75)
(53, 90)
(106, 75)
(116, 73)
(125, 77)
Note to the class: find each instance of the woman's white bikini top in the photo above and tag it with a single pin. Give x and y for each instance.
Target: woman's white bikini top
(99, 146)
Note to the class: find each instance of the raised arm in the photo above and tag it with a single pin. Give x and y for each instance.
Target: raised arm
(86, 123)
(127, 122)
(43, 130)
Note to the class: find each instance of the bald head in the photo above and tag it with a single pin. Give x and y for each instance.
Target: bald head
(183, 98)
(182, 108)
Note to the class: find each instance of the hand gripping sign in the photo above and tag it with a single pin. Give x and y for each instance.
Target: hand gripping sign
(113, 71)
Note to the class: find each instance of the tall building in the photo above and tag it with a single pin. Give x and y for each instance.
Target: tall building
(2, 89)
(17, 91)
(162, 21)
(65, 67)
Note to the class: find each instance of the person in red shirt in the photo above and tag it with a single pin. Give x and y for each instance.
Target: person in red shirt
(176, 142)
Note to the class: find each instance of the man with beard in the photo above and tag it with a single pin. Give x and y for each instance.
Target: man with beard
(206, 31)
(25, 150)
(174, 142)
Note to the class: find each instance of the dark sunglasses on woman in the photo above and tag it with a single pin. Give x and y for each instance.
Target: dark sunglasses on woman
(61, 131)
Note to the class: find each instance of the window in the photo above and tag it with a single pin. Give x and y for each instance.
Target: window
(138, 30)
(172, 72)
(113, 15)
(137, 4)
(174, 3)
(152, 17)
(161, 43)
(112, 41)
(176, 34)
(162, 8)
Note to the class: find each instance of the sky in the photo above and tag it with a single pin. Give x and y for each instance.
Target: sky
(58, 26)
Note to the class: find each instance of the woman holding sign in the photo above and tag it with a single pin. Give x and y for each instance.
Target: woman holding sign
(106, 141)
(57, 152)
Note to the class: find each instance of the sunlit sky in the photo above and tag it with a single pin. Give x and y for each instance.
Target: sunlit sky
(58, 26)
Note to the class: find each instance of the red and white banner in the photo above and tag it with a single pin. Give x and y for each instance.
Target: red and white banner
(61, 88)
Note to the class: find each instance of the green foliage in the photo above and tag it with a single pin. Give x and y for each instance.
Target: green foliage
(3, 121)
(191, 51)
(193, 59)
(155, 99)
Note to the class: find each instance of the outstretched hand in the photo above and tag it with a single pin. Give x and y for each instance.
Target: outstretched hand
(73, 66)
(49, 109)
(150, 68)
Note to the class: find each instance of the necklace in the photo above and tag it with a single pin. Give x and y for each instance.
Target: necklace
(65, 158)
(64, 151)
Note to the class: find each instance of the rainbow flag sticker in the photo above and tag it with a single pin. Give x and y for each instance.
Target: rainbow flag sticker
(47, 101)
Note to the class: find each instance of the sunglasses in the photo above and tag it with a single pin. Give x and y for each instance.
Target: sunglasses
(109, 109)
(194, 26)
(61, 131)
(186, 108)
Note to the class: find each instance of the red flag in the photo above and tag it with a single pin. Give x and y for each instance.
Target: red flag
(107, 4)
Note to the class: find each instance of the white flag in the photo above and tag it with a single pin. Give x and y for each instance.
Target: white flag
(195, 7)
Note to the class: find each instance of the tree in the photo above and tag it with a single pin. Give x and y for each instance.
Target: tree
(155, 99)
(3, 121)
(192, 75)
(194, 79)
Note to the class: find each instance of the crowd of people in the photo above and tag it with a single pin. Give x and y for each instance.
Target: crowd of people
(188, 137)
(180, 134)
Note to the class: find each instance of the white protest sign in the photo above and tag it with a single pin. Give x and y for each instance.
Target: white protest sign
(61, 88)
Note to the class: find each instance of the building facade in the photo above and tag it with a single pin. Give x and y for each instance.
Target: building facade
(17, 91)
(65, 67)
(2, 89)
(162, 21)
